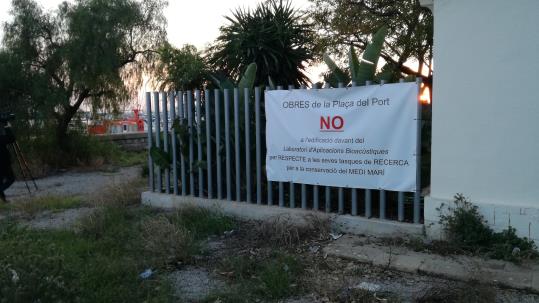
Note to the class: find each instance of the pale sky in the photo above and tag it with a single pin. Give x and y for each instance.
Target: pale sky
(195, 22)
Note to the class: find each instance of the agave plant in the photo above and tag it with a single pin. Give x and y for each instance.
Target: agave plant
(361, 70)
(274, 36)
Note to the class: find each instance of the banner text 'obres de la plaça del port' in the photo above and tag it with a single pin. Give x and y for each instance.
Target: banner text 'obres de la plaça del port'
(358, 137)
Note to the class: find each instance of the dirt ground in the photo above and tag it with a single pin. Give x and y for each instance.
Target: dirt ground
(72, 183)
(327, 279)
(324, 278)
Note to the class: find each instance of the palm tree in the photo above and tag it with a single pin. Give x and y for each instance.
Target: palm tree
(275, 36)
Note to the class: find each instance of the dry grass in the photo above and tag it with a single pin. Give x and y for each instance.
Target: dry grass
(123, 194)
(33, 205)
(284, 231)
(166, 243)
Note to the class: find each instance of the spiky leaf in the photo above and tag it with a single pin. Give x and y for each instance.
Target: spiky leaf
(353, 63)
(338, 75)
(372, 53)
(248, 78)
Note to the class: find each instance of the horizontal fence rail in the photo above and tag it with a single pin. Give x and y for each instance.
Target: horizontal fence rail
(211, 144)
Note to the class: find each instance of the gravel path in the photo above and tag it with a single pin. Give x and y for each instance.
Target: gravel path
(73, 183)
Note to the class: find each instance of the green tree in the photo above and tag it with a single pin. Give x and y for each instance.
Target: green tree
(345, 23)
(181, 68)
(87, 52)
(274, 35)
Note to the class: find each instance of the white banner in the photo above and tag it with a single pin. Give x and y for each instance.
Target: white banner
(360, 137)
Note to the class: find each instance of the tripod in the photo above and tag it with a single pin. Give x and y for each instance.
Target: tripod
(23, 166)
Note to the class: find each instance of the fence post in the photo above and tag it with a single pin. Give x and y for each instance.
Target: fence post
(368, 193)
(227, 146)
(199, 144)
(292, 196)
(217, 94)
(382, 210)
(303, 186)
(316, 205)
(237, 142)
(191, 147)
(341, 189)
(158, 138)
(149, 124)
(327, 188)
(164, 101)
(207, 100)
(258, 147)
(417, 194)
(354, 190)
(269, 183)
(181, 114)
(172, 97)
(247, 145)
(281, 184)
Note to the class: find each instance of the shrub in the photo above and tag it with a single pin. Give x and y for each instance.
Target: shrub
(467, 229)
(166, 243)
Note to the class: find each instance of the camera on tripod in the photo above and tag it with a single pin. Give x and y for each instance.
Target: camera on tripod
(6, 117)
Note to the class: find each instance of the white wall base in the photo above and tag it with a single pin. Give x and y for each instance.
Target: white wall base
(248, 211)
(524, 219)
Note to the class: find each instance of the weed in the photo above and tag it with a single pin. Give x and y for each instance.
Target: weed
(278, 276)
(166, 243)
(273, 277)
(281, 231)
(120, 195)
(466, 229)
(202, 222)
(34, 205)
(65, 266)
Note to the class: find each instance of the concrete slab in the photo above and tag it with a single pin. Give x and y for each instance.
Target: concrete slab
(462, 268)
(344, 223)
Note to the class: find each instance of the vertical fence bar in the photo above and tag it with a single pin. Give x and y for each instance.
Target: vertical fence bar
(341, 189)
(382, 200)
(227, 146)
(247, 146)
(269, 183)
(400, 195)
(292, 194)
(217, 95)
(149, 124)
(199, 145)
(237, 141)
(191, 144)
(281, 185)
(207, 100)
(181, 114)
(303, 186)
(164, 101)
(172, 97)
(158, 137)
(258, 147)
(328, 199)
(417, 194)
(316, 205)
(327, 188)
(368, 193)
(400, 202)
(354, 190)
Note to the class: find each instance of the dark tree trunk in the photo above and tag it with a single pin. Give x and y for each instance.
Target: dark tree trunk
(64, 119)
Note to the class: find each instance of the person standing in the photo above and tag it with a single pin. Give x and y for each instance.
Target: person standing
(7, 177)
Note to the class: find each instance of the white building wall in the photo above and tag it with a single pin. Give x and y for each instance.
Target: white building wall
(486, 110)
